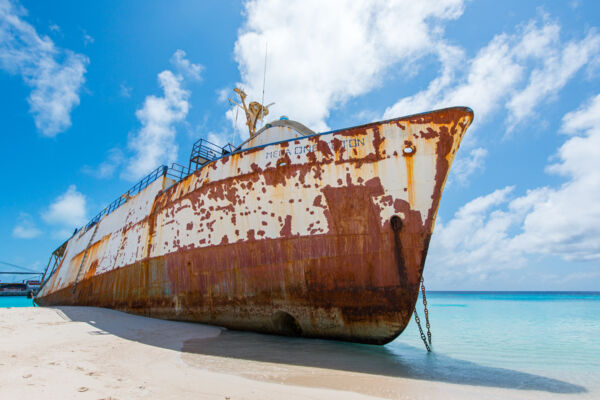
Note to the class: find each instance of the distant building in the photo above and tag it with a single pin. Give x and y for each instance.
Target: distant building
(13, 289)
(27, 288)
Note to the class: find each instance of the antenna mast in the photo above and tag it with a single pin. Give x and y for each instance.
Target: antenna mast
(264, 79)
(237, 109)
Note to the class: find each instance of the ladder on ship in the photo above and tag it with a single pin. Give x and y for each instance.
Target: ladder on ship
(53, 263)
(83, 259)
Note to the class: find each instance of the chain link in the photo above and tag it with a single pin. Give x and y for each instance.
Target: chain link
(418, 321)
(426, 340)
(426, 311)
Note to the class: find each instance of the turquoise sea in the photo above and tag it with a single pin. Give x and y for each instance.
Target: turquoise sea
(15, 301)
(544, 342)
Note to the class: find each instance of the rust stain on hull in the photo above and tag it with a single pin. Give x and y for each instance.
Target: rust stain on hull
(324, 236)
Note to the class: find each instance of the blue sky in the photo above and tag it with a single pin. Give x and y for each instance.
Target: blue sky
(96, 94)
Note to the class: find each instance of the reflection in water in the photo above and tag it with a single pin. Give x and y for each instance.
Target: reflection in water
(378, 360)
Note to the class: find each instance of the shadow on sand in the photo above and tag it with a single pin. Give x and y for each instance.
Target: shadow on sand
(405, 361)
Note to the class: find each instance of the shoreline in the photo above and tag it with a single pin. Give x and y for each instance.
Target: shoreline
(85, 352)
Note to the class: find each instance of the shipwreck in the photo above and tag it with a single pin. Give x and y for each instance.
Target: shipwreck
(292, 232)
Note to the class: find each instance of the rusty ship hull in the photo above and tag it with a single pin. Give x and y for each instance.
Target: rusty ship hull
(319, 236)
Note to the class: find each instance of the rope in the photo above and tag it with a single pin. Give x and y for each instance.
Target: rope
(17, 266)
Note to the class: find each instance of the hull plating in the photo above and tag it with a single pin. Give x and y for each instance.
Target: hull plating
(290, 238)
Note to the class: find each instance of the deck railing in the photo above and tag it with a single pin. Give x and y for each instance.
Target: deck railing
(135, 189)
(203, 152)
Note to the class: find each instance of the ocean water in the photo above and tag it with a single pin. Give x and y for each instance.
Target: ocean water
(547, 341)
(546, 344)
(15, 301)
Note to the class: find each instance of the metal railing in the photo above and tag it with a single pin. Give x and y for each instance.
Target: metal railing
(203, 152)
(178, 172)
(135, 189)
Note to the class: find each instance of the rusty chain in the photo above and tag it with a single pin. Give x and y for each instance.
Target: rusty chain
(426, 311)
(418, 320)
(426, 340)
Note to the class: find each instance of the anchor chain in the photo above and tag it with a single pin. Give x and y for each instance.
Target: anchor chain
(426, 311)
(426, 340)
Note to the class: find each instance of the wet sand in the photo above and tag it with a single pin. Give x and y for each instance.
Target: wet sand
(93, 353)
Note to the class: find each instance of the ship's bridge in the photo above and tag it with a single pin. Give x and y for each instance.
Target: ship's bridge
(203, 151)
(276, 131)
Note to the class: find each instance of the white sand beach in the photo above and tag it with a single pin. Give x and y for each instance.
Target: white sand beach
(93, 353)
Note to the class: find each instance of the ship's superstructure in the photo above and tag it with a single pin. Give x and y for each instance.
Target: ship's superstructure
(292, 232)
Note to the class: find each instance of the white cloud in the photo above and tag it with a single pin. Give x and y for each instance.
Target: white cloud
(496, 232)
(185, 67)
(107, 168)
(470, 240)
(62, 234)
(465, 166)
(25, 227)
(320, 54)
(55, 75)
(67, 210)
(567, 222)
(482, 84)
(493, 76)
(217, 139)
(87, 39)
(574, 4)
(559, 66)
(518, 71)
(452, 59)
(154, 143)
(124, 91)
(223, 94)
